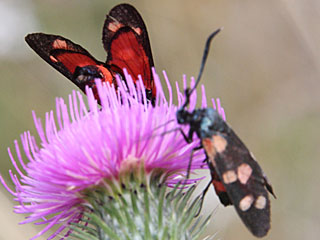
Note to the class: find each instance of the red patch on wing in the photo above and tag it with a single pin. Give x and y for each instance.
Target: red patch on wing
(127, 52)
(218, 185)
(208, 146)
(72, 60)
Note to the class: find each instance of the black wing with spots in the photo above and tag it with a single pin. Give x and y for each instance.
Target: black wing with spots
(245, 183)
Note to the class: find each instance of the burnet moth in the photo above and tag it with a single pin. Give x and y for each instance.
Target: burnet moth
(236, 176)
(125, 39)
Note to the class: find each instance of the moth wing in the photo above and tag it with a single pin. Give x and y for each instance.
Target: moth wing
(243, 179)
(60, 53)
(125, 38)
(68, 58)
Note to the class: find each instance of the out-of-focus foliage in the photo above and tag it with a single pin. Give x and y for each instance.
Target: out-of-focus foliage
(264, 66)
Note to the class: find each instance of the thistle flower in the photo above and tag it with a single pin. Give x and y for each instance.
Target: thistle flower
(102, 172)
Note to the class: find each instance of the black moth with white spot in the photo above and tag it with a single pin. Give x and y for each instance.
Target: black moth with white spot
(236, 176)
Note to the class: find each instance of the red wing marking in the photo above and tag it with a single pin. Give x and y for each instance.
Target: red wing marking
(127, 52)
(209, 147)
(218, 186)
(72, 60)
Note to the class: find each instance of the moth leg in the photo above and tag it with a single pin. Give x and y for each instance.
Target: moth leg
(202, 198)
(188, 138)
(190, 160)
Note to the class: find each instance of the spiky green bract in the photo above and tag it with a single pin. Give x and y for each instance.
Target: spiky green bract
(143, 207)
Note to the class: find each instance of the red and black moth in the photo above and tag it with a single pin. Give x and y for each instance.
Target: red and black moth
(124, 37)
(236, 176)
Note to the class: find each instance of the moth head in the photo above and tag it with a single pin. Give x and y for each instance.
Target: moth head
(183, 116)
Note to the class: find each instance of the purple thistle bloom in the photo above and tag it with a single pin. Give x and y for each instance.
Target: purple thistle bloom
(83, 148)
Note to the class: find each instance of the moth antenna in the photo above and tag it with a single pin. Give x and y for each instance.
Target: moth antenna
(188, 92)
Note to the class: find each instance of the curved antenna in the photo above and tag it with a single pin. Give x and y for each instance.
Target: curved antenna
(188, 92)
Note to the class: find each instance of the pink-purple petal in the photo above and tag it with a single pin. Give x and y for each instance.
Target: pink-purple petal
(81, 148)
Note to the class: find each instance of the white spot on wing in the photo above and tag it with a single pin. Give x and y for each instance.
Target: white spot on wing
(246, 202)
(114, 26)
(137, 30)
(59, 44)
(220, 143)
(244, 173)
(229, 176)
(260, 202)
(53, 59)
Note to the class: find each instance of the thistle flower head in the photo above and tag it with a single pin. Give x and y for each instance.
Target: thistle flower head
(105, 147)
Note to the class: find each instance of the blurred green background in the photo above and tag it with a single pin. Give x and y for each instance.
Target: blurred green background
(264, 66)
